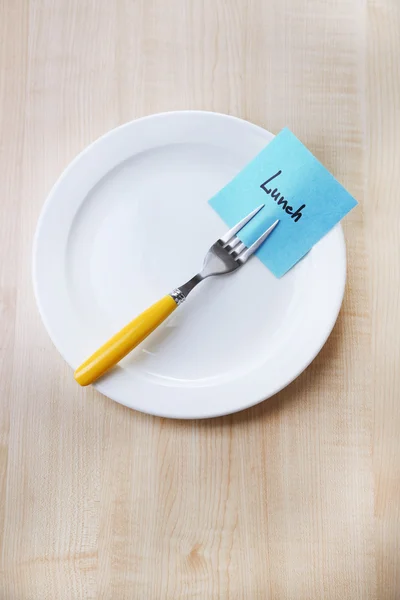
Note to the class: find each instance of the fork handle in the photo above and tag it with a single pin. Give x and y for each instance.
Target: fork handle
(125, 341)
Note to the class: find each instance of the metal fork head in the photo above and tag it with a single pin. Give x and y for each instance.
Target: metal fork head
(229, 253)
(226, 255)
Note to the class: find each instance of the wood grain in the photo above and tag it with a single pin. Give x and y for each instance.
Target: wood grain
(296, 499)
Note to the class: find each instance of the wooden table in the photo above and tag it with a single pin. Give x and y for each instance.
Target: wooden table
(298, 498)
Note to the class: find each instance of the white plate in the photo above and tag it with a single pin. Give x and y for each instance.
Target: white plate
(127, 222)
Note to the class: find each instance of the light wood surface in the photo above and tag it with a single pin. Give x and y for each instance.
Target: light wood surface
(298, 498)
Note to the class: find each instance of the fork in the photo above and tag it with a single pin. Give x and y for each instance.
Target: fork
(226, 255)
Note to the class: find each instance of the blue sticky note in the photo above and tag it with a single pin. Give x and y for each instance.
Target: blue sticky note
(296, 189)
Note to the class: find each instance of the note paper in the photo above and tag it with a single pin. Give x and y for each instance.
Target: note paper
(296, 189)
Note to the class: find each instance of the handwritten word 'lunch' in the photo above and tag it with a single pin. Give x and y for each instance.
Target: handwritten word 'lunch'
(280, 200)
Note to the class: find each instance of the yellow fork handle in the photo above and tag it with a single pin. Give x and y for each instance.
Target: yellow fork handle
(124, 341)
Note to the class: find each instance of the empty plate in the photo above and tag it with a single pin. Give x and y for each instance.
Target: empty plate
(129, 221)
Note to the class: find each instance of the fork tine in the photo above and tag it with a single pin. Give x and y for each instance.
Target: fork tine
(229, 234)
(247, 253)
